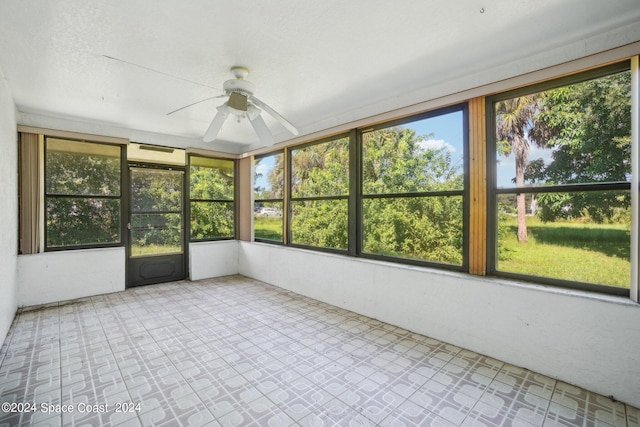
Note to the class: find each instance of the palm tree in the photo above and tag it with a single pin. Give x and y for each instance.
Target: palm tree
(516, 129)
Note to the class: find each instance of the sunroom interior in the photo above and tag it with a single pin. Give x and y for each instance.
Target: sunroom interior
(122, 95)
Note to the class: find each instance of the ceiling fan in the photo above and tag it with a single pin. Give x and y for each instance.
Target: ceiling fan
(243, 104)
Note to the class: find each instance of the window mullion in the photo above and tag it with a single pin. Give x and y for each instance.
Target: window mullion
(286, 208)
(635, 179)
(477, 237)
(355, 194)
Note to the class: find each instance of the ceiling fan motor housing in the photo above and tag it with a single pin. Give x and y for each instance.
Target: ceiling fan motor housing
(237, 102)
(243, 87)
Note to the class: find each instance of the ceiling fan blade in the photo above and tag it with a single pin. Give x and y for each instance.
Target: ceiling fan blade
(216, 124)
(195, 103)
(291, 128)
(261, 129)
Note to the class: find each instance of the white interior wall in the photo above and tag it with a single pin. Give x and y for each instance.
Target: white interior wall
(592, 341)
(59, 276)
(213, 259)
(8, 208)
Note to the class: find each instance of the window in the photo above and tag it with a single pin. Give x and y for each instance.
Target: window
(212, 195)
(413, 186)
(268, 197)
(396, 191)
(320, 194)
(561, 181)
(83, 188)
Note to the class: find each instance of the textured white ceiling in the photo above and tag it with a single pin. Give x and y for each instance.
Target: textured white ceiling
(127, 63)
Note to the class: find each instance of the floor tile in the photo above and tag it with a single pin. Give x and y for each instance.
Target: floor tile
(534, 383)
(574, 404)
(445, 401)
(377, 405)
(410, 414)
(335, 413)
(260, 412)
(633, 416)
(235, 351)
(465, 380)
(299, 398)
(228, 394)
(514, 402)
(509, 414)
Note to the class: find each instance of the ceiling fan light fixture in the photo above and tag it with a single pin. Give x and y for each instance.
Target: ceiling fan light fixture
(224, 110)
(253, 111)
(216, 124)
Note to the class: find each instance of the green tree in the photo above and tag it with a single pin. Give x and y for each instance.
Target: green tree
(212, 194)
(320, 170)
(517, 126)
(588, 127)
(410, 225)
(78, 184)
(590, 130)
(156, 210)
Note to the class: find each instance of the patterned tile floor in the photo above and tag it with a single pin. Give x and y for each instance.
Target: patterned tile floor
(237, 352)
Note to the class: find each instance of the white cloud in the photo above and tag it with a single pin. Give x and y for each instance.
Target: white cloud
(436, 144)
(261, 168)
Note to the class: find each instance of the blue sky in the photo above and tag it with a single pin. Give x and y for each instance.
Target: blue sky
(265, 165)
(443, 131)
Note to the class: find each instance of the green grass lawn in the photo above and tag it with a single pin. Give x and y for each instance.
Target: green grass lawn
(267, 228)
(137, 250)
(593, 253)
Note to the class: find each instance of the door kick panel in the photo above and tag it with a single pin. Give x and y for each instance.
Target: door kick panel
(154, 269)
